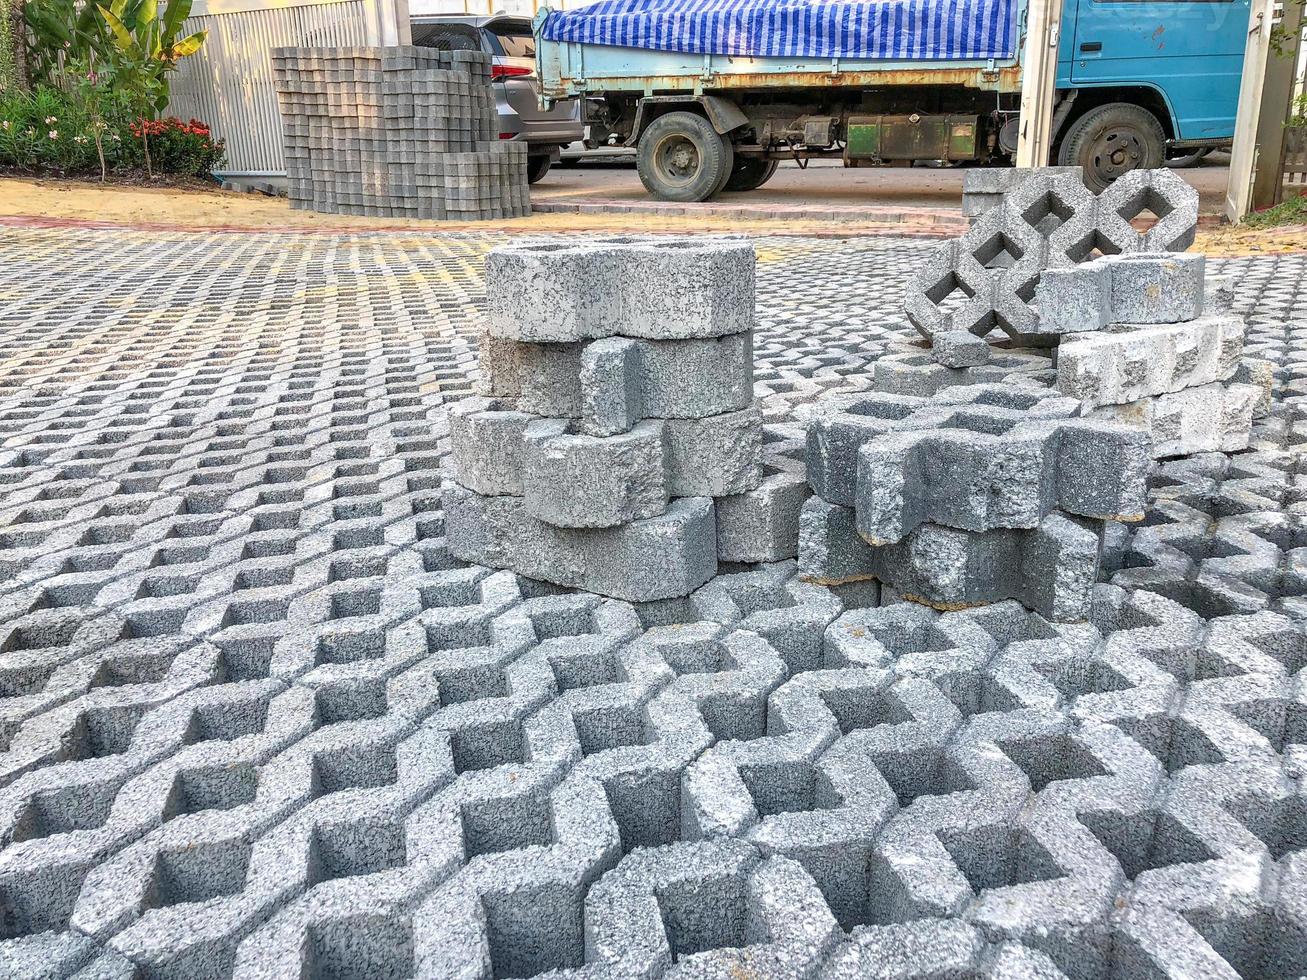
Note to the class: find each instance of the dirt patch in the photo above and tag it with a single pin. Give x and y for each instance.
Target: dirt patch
(208, 208)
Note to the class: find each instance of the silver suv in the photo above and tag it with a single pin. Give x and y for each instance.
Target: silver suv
(509, 41)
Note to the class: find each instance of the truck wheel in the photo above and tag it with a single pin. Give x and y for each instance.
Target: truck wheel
(1111, 140)
(536, 168)
(750, 173)
(682, 158)
(1184, 159)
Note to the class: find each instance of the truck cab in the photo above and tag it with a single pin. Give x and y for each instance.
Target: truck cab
(1138, 81)
(1139, 76)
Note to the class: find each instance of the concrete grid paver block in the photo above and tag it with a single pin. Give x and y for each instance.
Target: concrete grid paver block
(230, 604)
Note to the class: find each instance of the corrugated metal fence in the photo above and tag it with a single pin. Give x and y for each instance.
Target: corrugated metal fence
(228, 84)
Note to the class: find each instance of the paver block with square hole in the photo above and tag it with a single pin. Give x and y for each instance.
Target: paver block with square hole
(842, 426)
(1214, 417)
(1130, 362)
(980, 472)
(714, 908)
(989, 277)
(1162, 192)
(916, 372)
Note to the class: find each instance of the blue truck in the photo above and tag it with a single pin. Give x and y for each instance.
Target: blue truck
(713, 94)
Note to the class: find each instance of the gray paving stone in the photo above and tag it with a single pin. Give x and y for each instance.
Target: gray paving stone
(223, 546)
(1121, 366)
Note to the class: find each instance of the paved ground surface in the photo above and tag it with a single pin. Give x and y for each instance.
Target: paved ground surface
(255, 720)
(826, 184)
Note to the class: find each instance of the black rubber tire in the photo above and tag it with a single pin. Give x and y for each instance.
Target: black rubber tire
(682, 158)
(1184, 159)
(1111, 140)
(750, 173)
(536, 168)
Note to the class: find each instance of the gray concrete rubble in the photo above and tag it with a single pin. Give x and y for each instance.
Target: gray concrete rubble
(396, 132)
(618, 448)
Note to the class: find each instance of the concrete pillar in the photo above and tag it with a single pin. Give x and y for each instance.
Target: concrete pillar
(1243, 157)
(386, 23)
(1277, 96)
(1038, 75)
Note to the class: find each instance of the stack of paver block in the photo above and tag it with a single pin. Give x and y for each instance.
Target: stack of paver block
(986, 280)
(1139, 344)
(1140, 335)
(618, 448)
(396, 132)
(974, 495)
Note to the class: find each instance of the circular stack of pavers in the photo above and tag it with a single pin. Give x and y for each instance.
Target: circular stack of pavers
(617, 427)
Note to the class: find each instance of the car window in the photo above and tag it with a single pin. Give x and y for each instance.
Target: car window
(446, 37)
(513, 44)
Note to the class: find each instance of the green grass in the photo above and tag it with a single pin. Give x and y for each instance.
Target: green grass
(1290, 212)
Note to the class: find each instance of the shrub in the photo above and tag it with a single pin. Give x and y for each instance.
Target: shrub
(51, 131)
(184, 149)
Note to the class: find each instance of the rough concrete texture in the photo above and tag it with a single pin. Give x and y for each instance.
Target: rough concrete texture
(623, 379)
(985, 187)
(1074, 299)
(230, 618)
(908, 370)
(407, 132)
(843, 425)
(611, 384)
(1215, 417)
(987, 280)
(1050, 568)
(959, 350)
(651, 288)
(1130, 362)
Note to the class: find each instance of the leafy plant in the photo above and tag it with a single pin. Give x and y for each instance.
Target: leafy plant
(88, 127)
(44, 130)
(61, 31)
(144, 49)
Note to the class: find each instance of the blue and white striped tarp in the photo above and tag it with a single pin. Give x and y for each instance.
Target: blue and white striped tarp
(900, 30)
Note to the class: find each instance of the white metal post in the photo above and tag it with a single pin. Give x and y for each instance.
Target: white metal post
(386, 23)
(1039, 73)
(1243, 156)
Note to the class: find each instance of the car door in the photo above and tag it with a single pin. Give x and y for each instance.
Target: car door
(1190, 50)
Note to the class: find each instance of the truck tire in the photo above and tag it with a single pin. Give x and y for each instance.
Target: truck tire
(750, 173)
(536, 168)
(1184, 159)
(1113, 139)
(682, 158)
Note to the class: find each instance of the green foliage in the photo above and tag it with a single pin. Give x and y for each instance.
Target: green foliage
(55, 131)
(144, 45)
(61, 31)
(1290, 212)
(1299, 118)
(140, 40)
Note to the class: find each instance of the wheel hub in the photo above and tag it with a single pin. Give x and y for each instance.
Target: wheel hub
(679, 159)
(1117, 151)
